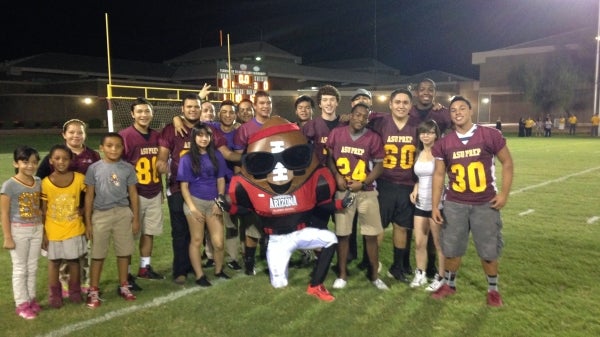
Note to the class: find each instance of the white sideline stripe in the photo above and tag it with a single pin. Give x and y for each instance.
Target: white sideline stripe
(593, 219)
(177, 294)
(121, 312)
(530, 187)
(529, 211)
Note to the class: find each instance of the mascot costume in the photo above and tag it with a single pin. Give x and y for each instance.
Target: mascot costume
(282, 182)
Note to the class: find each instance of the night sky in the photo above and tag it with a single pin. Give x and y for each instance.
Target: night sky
(413, 36)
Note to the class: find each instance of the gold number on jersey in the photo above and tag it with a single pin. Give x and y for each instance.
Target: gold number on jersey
(475, 172)
(146, 171)
(358, 174)
(407, 156)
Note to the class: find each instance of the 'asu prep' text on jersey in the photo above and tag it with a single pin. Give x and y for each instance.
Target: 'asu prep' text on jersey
(400, 147)
(353, 157)
(470, 167)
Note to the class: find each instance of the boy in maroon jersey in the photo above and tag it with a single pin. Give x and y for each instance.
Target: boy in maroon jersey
(352, 151)
(141, 151)
(397, 180)
(472, 202)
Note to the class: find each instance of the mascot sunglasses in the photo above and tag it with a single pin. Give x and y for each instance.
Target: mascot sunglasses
(297, 157)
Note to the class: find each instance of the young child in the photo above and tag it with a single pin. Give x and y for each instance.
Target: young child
(64, 231)
(111, 211)
(202, 176)
(22, 228)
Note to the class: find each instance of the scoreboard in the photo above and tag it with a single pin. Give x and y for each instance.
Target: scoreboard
(244, 82)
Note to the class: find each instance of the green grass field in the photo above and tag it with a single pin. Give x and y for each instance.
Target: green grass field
(547, 275)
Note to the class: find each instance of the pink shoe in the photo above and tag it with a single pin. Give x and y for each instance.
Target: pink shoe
(24, 310)
(444, 291)
(35, 306)
(494, 299)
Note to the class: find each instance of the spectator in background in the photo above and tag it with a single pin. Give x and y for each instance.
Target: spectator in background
(595, 124)
(207, 114)
(548, 127)
(572, 125)
(498, 124)
(521, 127)
(529, 124)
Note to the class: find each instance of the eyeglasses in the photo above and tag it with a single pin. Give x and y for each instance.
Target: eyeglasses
(297, 157)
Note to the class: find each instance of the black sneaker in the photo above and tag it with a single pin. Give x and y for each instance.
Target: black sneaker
(234, 265)
(209, 263)
(398, 275)
(222, 275)
(149, 274)
(203, 281)
(132, 285)
(250, 269)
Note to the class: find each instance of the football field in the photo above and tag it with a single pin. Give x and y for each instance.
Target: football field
(548, 276)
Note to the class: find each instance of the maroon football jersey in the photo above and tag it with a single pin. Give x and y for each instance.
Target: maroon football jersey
(470, 167)
(240, 140)
(142, 153)
(317, 131)
(178, 146)
(441, 117)
(400, 147)
(353, 157)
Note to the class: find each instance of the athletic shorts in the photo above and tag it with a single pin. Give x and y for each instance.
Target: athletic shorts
(151, 215)
(395, 205)
(367, 207)
(69, 249)
(113, 223)
(481, 220)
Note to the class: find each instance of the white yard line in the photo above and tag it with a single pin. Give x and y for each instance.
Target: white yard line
(593, 219)
(559, 179)
(529, 211)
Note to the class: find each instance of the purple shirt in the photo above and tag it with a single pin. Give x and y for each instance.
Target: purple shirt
(204, 185)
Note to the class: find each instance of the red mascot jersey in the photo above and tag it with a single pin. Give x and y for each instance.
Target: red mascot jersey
(284, 213)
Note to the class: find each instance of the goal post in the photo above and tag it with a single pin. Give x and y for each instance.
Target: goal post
(165, 101)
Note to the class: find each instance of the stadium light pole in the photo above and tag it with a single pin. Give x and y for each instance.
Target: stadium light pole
(597, 64)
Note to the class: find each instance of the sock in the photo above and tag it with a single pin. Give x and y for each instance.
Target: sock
(144, 261)
(492, 282)
(449, 278)
(399, 254)
(322, 267)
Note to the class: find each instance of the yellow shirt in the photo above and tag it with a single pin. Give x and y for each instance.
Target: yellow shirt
(63, 220)
(572, 120)
(529, 123)
(595, 120)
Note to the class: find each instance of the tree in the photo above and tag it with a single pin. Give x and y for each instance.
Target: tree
(550, 86)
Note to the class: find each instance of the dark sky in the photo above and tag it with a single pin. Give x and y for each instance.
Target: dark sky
(413, 36)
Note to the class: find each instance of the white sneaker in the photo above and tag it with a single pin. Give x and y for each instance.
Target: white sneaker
(380, 285)
(435, 284)
(419, 280)
(339, 283)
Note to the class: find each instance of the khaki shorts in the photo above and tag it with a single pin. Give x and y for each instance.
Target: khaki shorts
(69, 249)
(116, 223)
(151, 215)
(203, 206)
(369, 219)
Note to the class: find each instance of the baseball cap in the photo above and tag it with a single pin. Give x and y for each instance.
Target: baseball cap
(361, 92)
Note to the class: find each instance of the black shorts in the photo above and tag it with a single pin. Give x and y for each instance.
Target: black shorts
(394, 204)
(422, 213)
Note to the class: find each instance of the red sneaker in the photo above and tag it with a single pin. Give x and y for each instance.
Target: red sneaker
(444, 291)
(93, 298)
(320, 292)
(494, 299)
(126, 293)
